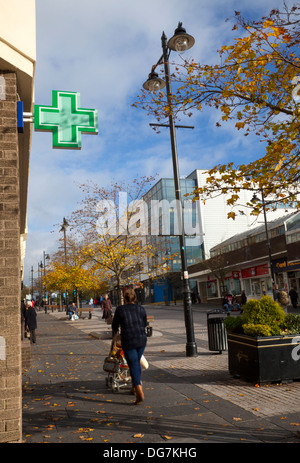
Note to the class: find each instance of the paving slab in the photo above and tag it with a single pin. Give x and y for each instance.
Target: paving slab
(188, 401)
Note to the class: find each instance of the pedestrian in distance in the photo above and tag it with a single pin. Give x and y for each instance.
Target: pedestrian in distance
(283, 299)
(30, 321)
(276, 293)
(106, 308)
(294, 297)
(72, 311)
(132, 320)
(243, 298)
(23, 313)
(227, 302)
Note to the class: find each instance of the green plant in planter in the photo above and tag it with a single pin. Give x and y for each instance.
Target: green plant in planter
(292, 324)
(260, 318)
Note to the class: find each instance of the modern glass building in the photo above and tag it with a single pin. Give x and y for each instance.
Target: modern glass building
(164, 268)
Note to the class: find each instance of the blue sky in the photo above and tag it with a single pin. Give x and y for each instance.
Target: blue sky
(105, 51)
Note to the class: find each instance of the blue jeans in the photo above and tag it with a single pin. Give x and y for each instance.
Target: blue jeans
(133, 357)
(228, 307)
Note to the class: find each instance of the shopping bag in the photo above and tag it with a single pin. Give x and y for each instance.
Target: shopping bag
(144, 363)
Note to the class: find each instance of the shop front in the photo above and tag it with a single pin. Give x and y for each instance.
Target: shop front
(287, 274)
(256, 281)
(229, 284)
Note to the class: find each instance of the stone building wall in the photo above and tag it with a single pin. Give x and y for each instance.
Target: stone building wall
(10, 281)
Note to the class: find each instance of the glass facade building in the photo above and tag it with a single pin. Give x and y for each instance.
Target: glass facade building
(164, 235)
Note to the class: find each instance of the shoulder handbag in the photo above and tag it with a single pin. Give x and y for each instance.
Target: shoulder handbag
(111, 364)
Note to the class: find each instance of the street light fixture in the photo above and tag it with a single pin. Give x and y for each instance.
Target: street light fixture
(180, 42)
(154, 83)
(254, 200)
(64, 229)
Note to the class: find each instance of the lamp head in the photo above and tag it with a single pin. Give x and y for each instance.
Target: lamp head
(254, 198)
(153, 83)
(181, 41)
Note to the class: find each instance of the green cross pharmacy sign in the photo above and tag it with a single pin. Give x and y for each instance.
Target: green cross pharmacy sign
(66, 119)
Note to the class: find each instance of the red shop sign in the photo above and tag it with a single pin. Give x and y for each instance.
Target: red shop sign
(255, 271)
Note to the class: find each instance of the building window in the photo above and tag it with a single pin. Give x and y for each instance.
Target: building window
(212, 289)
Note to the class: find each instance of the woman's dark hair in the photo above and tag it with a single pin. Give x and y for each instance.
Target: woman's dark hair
(130, 295)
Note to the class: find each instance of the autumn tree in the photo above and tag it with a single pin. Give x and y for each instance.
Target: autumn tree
(72, 272)
(256, 85)
(111, 221)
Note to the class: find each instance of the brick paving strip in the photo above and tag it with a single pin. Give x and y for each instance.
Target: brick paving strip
(209, 371)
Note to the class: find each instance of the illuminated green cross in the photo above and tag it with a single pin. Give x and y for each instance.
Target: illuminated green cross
(65, 119)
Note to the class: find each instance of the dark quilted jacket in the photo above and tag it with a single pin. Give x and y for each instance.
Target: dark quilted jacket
(132, 319)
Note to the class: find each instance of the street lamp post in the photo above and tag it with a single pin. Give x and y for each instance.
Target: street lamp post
(180, 42)
(64, 229)
(43, 266)
(254, 199)
(31, 282)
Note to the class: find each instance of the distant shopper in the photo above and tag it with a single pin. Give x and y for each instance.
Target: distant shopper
(227, 302)
(30, 321)
(243, 298)
(276, 293)
(283, 300)
(106, 308)
(294, 297)
(132, 319)
(235, 304)
(72, 311)
(23, 314)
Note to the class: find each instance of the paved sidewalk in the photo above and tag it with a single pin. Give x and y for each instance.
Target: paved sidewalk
(188, 401)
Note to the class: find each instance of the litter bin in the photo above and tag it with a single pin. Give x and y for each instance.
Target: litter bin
(217, 335)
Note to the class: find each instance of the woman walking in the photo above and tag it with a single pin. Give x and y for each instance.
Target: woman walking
(30, 321)
(106, 308)
(132, 319)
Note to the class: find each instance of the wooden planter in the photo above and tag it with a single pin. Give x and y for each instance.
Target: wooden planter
(263, 359)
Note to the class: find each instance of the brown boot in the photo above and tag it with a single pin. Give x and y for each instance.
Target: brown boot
(132, 391)
(139, 394)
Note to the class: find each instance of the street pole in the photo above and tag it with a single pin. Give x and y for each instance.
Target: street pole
(268, 240)
(31, 282)
(191, 347)
(254, 199)
(63, 228)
